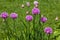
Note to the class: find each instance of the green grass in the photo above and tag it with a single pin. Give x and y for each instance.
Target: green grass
(49, 8)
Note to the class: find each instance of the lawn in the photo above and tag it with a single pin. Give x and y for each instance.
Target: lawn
(48, 8)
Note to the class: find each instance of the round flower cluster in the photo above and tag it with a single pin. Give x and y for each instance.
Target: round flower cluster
(35, 11)
(5, 15)
(29, 18)
(43, 19)
(13, 15)
(35, 2)
(48, 30)
(28, 4)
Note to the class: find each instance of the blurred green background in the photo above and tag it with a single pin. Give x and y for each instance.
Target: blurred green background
(48, 8)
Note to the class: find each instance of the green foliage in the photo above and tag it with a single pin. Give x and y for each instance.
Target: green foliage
(49, 8)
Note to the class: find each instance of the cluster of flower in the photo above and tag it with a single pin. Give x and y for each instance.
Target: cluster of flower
(5, 15)
(28, 4)
(36, 11)
(29, 18)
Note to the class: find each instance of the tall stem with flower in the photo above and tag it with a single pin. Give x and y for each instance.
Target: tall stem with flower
(4, 15)
(35, 11)
(48, 31)
(43, 20)
(29, 18)
(14, 16)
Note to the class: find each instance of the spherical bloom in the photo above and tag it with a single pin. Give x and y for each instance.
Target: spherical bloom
(43, 19)
(28, 4)
(13, 15)
(29, 18)
(48, 30)
(35, 2)
(56, 18)
(22, 5)
(35, 11)
(4, 15)
(27, 12)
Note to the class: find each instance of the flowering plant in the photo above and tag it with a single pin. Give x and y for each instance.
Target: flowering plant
(31, 26)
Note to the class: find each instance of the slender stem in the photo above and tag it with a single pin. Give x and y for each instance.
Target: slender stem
(40, 34)
(14, 22)
(15, 28)
(34, 26)
(7, 28)
(29, 30)
(26, 32)
(25, 27)
(48, 37)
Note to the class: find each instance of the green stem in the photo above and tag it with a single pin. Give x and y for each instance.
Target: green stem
(14, 22)
(7, 29)
(34, 25)
(29, 30)
(15, 29)
(48, 37)
(40, 27)
(14, 26)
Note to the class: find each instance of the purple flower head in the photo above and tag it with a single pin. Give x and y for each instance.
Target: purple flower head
(48, 30)
(4, 15)
(28, 4)
(35, 11)
(43, 19)
(29, 18)
(35, 2)
(13, 15)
